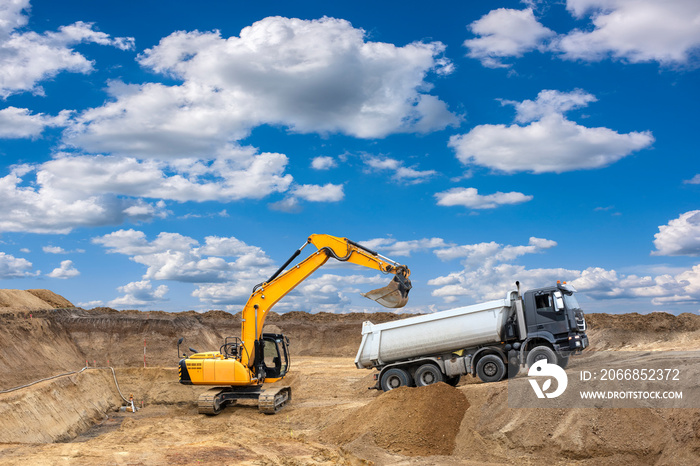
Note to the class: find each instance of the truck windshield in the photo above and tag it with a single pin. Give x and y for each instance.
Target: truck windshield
(571, 302)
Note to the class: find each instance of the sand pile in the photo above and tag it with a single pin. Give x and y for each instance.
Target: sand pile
(409, 421)
(31, 300)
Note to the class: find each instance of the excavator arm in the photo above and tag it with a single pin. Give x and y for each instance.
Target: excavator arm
(265, 295)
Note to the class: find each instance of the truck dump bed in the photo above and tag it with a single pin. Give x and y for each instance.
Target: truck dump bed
(430, 334)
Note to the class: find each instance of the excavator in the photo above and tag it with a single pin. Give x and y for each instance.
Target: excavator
(242, 365)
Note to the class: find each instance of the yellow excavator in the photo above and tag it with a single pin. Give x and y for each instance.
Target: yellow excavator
(242, 365)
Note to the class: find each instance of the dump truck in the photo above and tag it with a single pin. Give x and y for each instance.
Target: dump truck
(488, 340)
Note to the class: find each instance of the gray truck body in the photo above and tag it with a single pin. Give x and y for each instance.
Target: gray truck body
(448, 344)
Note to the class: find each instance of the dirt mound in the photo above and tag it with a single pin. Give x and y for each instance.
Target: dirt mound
(653, 322)
(654, 331)
(492, 431)
(409, 421)
(55, 300)
(31, 300)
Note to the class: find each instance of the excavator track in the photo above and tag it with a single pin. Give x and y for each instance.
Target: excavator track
(211, 402)
(274, 399)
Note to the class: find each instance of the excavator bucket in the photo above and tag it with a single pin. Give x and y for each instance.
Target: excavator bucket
(394, 295)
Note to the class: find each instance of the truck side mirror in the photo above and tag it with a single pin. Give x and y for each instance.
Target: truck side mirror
(558, 301)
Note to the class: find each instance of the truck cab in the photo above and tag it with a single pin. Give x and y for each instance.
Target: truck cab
(554, 314)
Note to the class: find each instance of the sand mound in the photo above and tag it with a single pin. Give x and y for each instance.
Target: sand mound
(31, 300)
(410, 421)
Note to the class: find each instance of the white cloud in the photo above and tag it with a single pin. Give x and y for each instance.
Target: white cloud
(54, 250)
(73, 191)
(18, 123)
(12, 16)
(311, 193)
(549, 102)
(316, 193)
(634, 30)
(66, 270)
(91, 304)
(683, 287)
(393, 247)
(244, 176)
(550, 144)
(43, 207)
(401, 174)
(470, 197)
(506, 33)
(14, 267)
(311, 76)
(139, 294)
(26, 58)
(490, 272)
(680, 237)
(176, 257)
(693, 180)
(323, 163)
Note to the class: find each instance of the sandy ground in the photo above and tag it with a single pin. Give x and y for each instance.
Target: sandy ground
(332, 419)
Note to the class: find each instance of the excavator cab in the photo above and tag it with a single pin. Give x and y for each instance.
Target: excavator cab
(276, 356)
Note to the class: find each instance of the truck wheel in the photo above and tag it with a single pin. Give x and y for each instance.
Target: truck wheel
(453, 380)
(541, 352)
(490, 368)
(395, 378)
(428, 374)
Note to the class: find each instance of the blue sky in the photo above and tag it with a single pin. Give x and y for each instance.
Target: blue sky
(167, 155)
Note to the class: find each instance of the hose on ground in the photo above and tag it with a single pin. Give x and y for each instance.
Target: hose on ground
(65, 374)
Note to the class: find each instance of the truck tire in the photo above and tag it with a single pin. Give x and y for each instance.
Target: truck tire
(428, 374)
(490, 368)
(453, 380)
(395, 378)
(541, 352)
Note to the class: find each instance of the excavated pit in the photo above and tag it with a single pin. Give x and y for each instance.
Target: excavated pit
(333, 417)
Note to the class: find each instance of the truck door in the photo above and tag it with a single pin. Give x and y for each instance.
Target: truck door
(548, 317)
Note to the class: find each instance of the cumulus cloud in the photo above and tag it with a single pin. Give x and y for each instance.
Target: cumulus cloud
(491, 269)
(17, 123)
(66, 270)
(394, 247)
(470, 197)
(311, 193)
(26, 58)
(549, 102)
(14, 267)
(680, 237)
(323, 163)
(693, 180)
(683, 287)
(506, 33)
(550, 142)
(311, 76)
(42, 207)
(138, 294)
(172, 256)
(634, 31)
(399, 172)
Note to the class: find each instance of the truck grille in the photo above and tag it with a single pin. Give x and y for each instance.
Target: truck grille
(581, 323)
